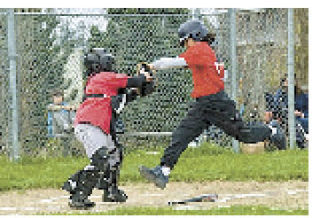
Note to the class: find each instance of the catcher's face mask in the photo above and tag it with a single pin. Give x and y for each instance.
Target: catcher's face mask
(98, 60)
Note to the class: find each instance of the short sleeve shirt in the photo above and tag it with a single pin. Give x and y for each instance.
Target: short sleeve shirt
(201, 60)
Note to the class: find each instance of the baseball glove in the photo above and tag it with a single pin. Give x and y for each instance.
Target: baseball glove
(148, 87)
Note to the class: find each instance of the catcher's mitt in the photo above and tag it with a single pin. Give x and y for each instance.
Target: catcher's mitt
(148, 87)
(144, 66)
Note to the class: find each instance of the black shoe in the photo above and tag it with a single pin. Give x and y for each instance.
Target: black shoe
(80, 204)
(69, 186)
(115, 196)
(154, 175)
(278, 138)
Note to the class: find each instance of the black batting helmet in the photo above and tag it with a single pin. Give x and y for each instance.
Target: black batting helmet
(192, 29)
(99, 60)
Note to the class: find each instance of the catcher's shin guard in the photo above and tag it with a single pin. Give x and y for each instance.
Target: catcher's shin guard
(109, 181)
(80, 185)
(112, 193)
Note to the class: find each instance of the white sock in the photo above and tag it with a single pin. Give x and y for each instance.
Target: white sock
(273, 129)
(165, 170)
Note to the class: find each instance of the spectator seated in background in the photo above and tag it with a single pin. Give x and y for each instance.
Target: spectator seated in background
(302, 108)
(280, 111)
(59, 116)
(269, 107)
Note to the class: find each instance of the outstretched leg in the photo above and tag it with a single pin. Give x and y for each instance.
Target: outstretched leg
(215, 109)
(190, 127)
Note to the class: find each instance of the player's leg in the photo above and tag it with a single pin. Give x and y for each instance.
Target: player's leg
(80, 185)
(221, 111)
(111, 178)
(189, 128)
(111, 191)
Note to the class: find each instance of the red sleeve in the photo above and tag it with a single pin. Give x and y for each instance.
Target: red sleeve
(200, 55)
(116, 80)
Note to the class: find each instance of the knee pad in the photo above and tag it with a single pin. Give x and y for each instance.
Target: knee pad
(107, 159)
(99, 159)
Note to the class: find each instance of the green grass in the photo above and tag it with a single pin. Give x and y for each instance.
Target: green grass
(233, 210)
(206, 163)
(209, 163)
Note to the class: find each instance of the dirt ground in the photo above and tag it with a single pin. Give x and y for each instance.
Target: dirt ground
(278, 195)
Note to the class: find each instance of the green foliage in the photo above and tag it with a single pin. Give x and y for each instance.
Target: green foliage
(207, 163)
(233, 210)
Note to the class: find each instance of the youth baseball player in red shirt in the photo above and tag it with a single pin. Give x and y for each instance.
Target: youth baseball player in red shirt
(95, 128)
(212, 106)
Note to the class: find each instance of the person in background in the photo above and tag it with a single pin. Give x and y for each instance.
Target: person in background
(60, 120)
(280, 110)
(302, 108)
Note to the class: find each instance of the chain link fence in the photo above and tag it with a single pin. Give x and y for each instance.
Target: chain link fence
(50, 47)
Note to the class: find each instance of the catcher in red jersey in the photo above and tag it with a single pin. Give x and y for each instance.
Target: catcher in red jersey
(106, 93)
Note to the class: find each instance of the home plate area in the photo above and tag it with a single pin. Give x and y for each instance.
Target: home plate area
(279, 195)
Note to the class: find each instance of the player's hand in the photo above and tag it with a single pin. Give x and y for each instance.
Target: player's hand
(151, 66)
(299, 114)
(149, 78)
(135, 90)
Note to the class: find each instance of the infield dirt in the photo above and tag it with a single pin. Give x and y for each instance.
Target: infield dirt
(278, 195)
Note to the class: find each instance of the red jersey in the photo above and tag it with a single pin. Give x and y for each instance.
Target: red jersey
(98, 111)
(201, 59)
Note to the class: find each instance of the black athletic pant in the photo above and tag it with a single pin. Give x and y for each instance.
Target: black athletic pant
(219, 110)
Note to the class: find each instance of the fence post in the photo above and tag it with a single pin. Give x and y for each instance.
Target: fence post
(291, 116)
(196, 13)
(14, 153)
(233, 59)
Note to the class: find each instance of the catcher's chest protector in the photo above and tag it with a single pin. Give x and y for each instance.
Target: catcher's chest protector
(97, 110)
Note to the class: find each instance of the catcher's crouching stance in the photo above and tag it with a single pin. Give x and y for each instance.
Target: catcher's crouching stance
(106, 93)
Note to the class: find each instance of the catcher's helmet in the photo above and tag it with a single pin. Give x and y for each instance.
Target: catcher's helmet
(192, 29)
(98, 60)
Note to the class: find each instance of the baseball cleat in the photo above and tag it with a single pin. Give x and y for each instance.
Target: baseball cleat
(115, 196)
(154, 175)
(82, 204)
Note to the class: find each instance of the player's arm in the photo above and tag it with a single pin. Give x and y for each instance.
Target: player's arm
(167, 63)
(53, 107)
(135, 86)
(136, 81)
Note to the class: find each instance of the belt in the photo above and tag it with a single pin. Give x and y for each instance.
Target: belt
(97, 96)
